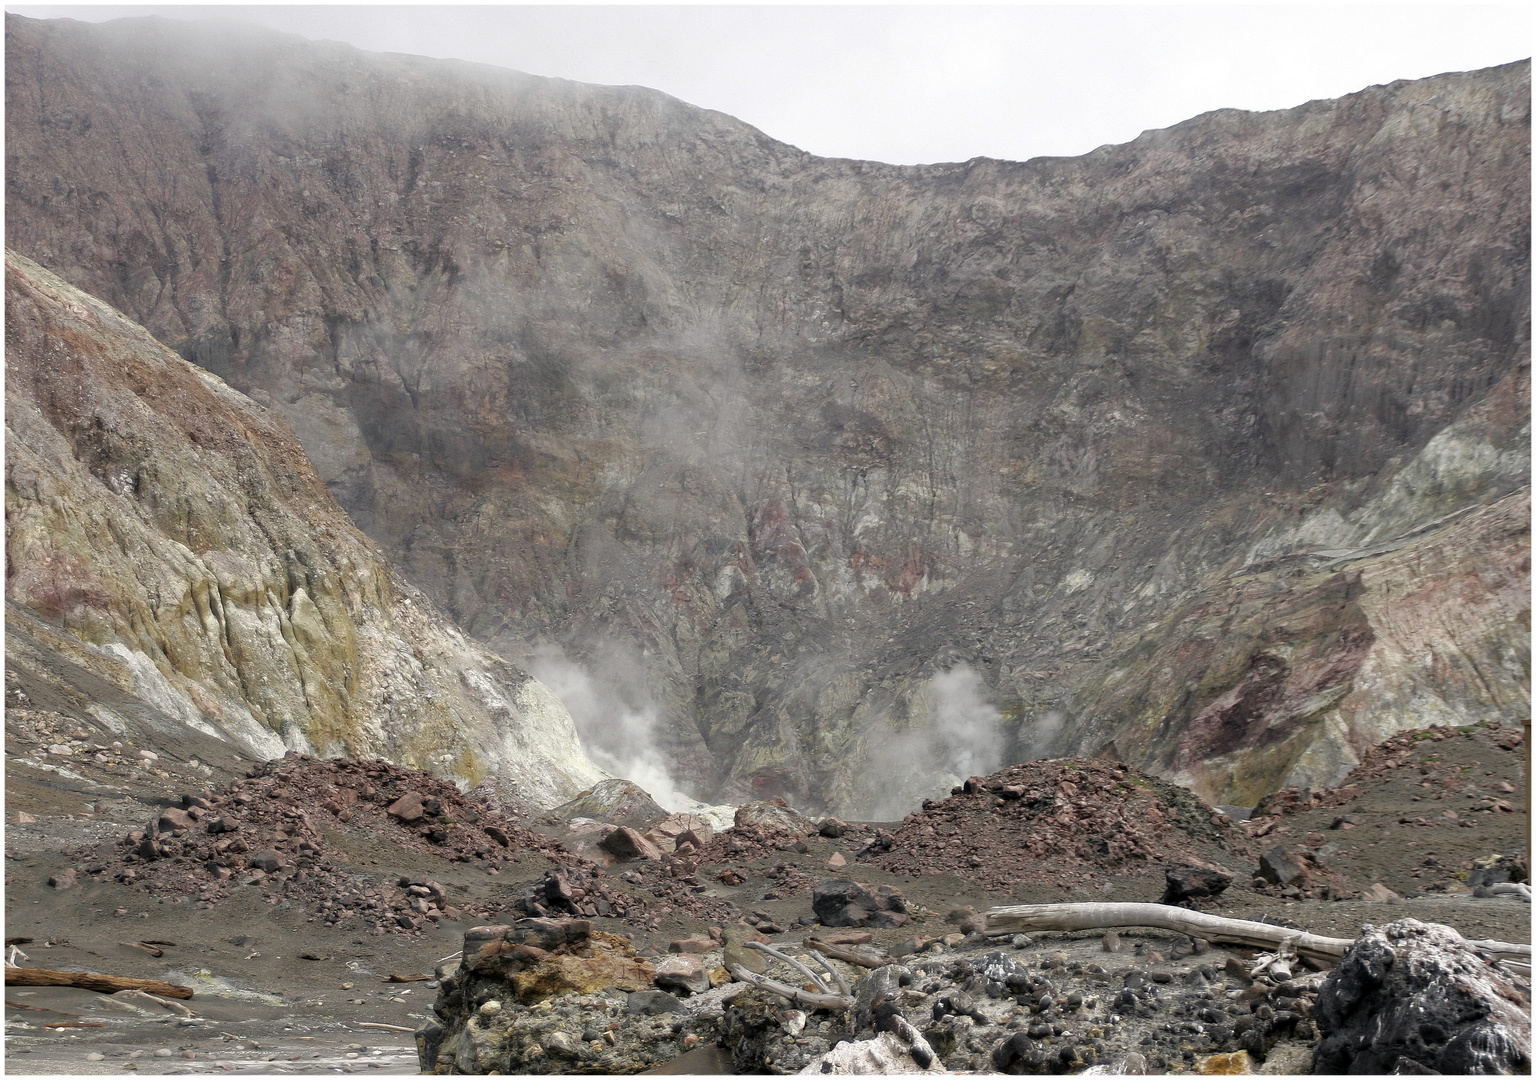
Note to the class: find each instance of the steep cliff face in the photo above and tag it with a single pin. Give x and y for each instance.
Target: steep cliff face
(166, 537)
(595, 366)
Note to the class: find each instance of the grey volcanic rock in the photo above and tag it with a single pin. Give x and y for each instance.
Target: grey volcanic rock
(1418, 991)
(596, 365)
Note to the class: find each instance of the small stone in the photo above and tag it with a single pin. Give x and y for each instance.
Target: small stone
(1236, 1064)
(189, 1054)
(490, 1008)
(836, 861)
(164, 1051)
(64, 879)
(1110, 942)
(95, 1056)
(25, 819)
(268, 861)
(653, 1003)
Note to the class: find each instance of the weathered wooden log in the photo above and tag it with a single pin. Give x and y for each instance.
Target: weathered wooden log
(90, 980)
(848, 956)
(1096, 916)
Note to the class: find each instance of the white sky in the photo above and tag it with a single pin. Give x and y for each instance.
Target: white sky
(910, 84)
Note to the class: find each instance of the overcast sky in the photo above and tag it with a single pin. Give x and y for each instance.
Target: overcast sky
(931, 83)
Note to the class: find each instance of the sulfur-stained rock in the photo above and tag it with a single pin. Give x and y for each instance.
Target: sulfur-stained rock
(544, 958)
(171, 536)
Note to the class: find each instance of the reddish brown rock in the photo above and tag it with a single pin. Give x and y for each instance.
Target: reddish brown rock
(625, 844)
(408, 808)
(174, 821)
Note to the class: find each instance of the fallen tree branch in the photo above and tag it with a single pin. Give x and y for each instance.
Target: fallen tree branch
(837, 976)
(9, 1004)
(386, 1027)
(799, 995)
(90, 980)
(174, 1006)
(143, 947)
(1218, 930)
(847, 956)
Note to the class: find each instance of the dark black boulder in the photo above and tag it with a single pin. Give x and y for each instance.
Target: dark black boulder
(1416, 994)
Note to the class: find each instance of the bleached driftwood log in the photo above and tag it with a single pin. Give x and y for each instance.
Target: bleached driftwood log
(1092, 916)
(823, 997)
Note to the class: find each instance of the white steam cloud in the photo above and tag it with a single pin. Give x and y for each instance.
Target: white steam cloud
(958, 734)
(614, 718)
(1041, 740)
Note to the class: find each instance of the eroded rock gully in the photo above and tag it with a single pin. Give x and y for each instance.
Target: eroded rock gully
(1208, 450)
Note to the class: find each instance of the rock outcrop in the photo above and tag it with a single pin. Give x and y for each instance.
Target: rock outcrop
(1175, 443)
(173, 561)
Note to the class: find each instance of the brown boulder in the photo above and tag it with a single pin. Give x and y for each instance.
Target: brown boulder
(408, 808)
(624, 844)
(1278, 866)
(173, 821)
(668, 833)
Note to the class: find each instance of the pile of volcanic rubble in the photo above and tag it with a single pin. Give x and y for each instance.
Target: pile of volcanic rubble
(1065, 822)
(1403, 751)
(270, 830)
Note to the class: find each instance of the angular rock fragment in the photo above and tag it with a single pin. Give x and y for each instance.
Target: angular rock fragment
(1279, 867)
(408, 808)
(1194, 883)
(683, 972)
(669, 833)
(625, 844)
(617, 802)
(173, 821)
(844, 902)
(775, 815)
(268, 860)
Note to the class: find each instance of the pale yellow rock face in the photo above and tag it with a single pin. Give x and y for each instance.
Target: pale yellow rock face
(169, 535)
